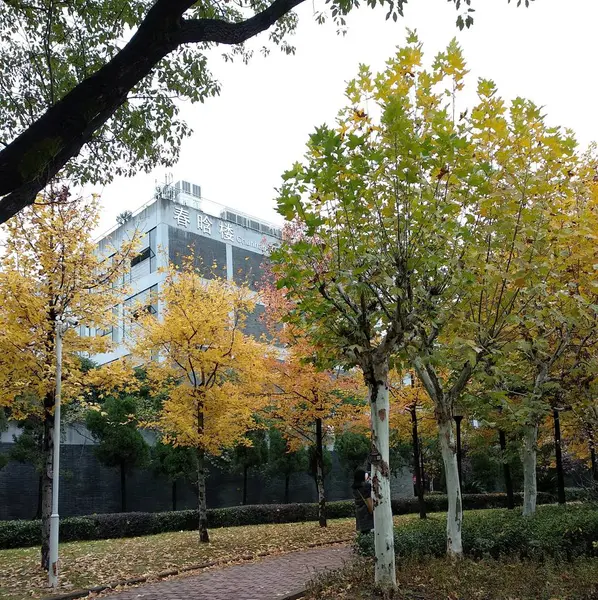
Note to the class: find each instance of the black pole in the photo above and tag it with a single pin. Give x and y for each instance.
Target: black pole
(560, 476)
(416, 466)
(506, 469)
(458, 420)
(320, 474)
(422, 468)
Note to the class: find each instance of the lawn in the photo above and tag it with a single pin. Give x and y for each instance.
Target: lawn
(439, 579)
(86, 564)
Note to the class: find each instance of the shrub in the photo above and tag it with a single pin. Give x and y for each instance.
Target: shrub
(15, 534)
(555, 531)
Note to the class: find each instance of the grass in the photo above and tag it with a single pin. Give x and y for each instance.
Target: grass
(86, 564)
(439, 579)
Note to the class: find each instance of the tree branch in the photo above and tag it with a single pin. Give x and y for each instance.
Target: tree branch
(38, 154)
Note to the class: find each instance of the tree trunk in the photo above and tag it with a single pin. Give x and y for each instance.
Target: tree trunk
(201, 496)
(454, 520)
(320, 474)
(506, 470)
(560, 475)
(47, 478)
(385, 569)
(287, 479)
(123, 487)
(419, 486)
(174, 495)
(530, 488)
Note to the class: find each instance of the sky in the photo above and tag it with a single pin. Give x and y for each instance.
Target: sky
(257, 128)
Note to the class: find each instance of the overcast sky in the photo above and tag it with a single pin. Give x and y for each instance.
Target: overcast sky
(245, 138)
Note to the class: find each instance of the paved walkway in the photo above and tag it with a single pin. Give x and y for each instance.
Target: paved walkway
(267, 579)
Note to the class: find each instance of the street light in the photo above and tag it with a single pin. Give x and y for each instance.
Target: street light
(62, 325)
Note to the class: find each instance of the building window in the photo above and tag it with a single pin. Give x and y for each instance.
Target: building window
(143, 302)
(101, 332)
(143, 255)
(145, 261)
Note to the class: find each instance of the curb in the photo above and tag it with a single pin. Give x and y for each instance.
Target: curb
(172, 572)
(295, 596)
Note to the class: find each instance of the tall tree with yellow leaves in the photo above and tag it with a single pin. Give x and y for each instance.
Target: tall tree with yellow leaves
(50, 269)
(213, 375)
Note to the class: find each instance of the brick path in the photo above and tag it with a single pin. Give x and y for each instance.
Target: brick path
(266, 579)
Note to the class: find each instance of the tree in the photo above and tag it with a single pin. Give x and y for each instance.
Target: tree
(101, 84)
(309, 402)
(120, 444)
(420, 236)
(212, 374)
(556, 331)
(174, 463)
(250, 454)
(353, 449)
(49, 269)
(284, 461)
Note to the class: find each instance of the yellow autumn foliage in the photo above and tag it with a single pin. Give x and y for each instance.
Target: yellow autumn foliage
(212, 373)
(50, 268)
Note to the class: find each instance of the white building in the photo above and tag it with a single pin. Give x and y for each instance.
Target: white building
(175, 221)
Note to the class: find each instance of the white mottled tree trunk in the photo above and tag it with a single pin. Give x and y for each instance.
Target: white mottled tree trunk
(385, 575)
(530, 488)
(454, 518)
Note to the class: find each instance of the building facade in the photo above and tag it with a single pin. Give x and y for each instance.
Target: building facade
(176, 223)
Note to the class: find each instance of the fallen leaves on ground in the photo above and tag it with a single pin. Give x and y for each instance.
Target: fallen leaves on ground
(441, 579)
(86, 564)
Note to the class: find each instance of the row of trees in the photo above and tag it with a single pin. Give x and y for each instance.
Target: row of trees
(207, 389)
(422, 238)
(214, 392)
(453, 241)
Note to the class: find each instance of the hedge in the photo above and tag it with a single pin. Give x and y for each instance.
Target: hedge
(16, 534)
(561, 532)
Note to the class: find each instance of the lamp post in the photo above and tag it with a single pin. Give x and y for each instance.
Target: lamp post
(458, 416)
(62, 325)
(419, 472)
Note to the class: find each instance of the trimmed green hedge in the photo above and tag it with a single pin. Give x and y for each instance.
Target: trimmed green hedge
(562, 532)
(16, 534)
